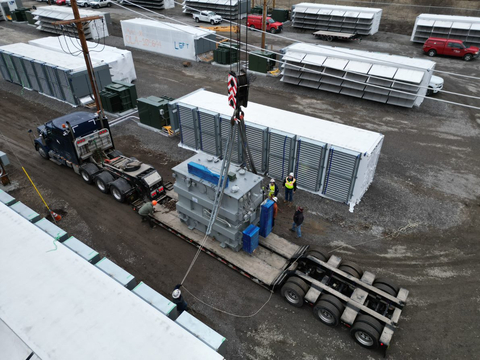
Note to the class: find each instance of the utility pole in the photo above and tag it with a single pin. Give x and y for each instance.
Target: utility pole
(78, 21)
(264, 19)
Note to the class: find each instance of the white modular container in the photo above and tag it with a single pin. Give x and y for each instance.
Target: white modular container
(66, 308)
(45, 16)
(336, 18)
(120, 61)
(332, 160)
(171, 39)
(391, 79)
(465, 28)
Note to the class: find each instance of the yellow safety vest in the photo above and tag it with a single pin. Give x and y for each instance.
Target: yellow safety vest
(289, 184)
(272, 190)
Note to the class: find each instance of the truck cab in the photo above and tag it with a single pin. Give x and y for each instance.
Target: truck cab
(450, 47)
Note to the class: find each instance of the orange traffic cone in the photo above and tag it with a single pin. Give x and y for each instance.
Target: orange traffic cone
(55, 216)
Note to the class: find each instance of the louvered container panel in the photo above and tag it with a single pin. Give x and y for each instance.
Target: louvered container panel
(209, 126)
(18, 63)
(237, 155)
(54, 85)
(341, 173)
(257, 137)
(11, 69)
(281, 148)
(4, 69)
(188, 125)
(32, 76)
(310, 163)
(65, 85)
(42, 77)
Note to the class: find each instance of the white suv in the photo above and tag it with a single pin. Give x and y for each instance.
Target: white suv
(81, 3)
(208, 16)
(100, 3)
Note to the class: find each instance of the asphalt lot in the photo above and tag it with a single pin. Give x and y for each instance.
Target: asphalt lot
(418, 224)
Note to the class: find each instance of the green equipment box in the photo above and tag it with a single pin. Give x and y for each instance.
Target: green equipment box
(261, 61)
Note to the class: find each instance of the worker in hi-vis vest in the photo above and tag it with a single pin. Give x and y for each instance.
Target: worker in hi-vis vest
(290, 185)
(272, 189)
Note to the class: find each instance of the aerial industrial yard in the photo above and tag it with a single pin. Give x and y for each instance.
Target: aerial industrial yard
(418, 224)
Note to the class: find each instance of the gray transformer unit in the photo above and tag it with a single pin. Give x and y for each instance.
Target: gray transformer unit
(240, 205)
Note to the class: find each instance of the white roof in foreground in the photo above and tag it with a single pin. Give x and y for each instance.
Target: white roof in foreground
(67, 11)
(469, 19)
(62, 60)
(63, 307)
(170, 26)
(337, 7)
(348, 137)
(360, 55)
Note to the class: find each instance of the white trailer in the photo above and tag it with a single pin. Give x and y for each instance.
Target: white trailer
(120, 61)
(171, 39)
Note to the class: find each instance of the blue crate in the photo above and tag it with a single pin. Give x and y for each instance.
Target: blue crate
(266, 218)
(250, 238)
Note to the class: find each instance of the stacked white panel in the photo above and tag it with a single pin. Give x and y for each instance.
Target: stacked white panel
(154, 4)
(465, 28)
(45, 16)
(346, 19)
(227, 9)
(120, 61)
(391, 79)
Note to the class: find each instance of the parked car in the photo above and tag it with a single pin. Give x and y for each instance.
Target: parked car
(450, 47)
(208, 16)
(60, 2)
(255, 22)
(435, 85)
(81, 3)
(95, 4)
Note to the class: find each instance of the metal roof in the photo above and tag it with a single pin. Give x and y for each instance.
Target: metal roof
(170, 26)
(467, 19)
(66, 308)
(347, 137)
(336, 8)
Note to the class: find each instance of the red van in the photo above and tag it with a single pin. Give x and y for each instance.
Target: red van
(451, 47)
(255, 22)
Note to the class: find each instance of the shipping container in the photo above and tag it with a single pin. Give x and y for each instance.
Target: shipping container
(465, 28)
(180, 41)
(336, 18)
(332, 160)
(391, 79)
(120, 61)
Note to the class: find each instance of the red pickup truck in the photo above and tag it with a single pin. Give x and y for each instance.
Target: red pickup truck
(451, 47)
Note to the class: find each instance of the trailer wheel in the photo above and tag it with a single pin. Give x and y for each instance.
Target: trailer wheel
(300, 282)
(370, 320)
(386, 285)
(365, 335)
(119, 188)
(317, 253)
(42, 152)
(327, 313)
(329, 38)
(351, 268)
(328, 309)
(87, 171)
(293, 294)
(103, 180)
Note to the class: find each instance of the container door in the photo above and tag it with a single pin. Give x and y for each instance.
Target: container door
(188, 126)
(281, 154)
(257, 137)
(209, 126)
(237, 155)
(341, 174)
(310, 162)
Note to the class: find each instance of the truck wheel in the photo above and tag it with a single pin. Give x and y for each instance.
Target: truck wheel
(42, 152)
(197, 20)
(293, 294)
(103, 180)
(317, 253)
(119, 188)
(365, 335)
(212, 22)
(468, 57)
(431, 53)
(327, 313)
(351, 268)
(300, 282)
(87, 172)
(252, 27)
(273, 30)
(386, 285)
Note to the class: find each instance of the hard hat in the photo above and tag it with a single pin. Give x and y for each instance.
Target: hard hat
(291, 174)
(300, 209)
(154, 203)
(275, 199)
(272, 180)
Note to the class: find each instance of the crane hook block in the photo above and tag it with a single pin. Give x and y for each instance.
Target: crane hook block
(237, 89)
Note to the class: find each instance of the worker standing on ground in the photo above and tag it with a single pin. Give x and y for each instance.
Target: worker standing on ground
(298, 221)
(146, 211)
(272, 189)
(275, 210)
(290, 185)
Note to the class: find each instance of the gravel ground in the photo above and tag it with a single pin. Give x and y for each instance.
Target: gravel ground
(417, 224)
